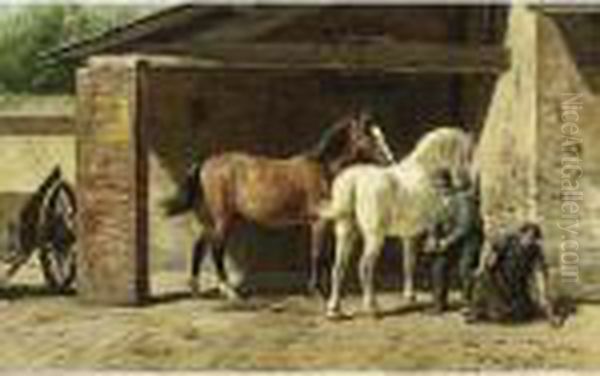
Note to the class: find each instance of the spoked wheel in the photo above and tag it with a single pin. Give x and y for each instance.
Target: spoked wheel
(58, 268)
(58, 257)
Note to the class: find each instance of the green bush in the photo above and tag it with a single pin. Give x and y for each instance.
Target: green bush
(30, 30)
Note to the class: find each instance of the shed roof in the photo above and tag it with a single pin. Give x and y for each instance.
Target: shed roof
(441, 38)
(156, 25)
(194, 24)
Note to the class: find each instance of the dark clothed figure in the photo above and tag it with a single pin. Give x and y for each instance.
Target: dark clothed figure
(511, 283)
(468, 233)
(455, 236)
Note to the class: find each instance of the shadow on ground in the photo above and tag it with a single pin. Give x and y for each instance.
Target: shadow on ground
(22, 291)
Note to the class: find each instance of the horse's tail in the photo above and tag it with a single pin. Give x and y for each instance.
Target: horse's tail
(188, 194)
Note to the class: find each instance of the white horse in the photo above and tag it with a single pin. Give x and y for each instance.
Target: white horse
(394, 201)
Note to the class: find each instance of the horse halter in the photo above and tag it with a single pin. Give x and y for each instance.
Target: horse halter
(382, 143)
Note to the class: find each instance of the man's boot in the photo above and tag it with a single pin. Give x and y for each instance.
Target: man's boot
(440, 285)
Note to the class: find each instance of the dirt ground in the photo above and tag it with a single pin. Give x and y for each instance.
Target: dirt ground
(271, 332)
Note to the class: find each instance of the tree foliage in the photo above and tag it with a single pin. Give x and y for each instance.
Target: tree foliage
(28, 31)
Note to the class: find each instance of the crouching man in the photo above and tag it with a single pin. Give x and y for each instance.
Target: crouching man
(455, 237)
(511, 280)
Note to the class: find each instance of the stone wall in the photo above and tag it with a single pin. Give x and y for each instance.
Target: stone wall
(568, 157)
(30, 146)
(530, 161)
(506, 151)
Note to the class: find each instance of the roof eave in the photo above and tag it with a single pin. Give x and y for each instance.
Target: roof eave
(138, 29)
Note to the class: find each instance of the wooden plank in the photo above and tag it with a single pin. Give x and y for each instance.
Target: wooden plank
(252, 23)
(383, 56)
(581, 8)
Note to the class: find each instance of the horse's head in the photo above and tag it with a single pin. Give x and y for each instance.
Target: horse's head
(366, 142)
(355, 138)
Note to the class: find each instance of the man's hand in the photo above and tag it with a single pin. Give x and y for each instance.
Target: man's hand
(479, 271)
(443, 245)
(431, 244)
(556, 321)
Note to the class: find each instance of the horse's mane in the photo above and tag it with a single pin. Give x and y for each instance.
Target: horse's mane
(331, 142)
(442, 147)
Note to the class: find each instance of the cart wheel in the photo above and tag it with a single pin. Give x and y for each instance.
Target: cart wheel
(58, 267)
(58, 256)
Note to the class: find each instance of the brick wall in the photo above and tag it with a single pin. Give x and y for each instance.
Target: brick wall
(112, 229)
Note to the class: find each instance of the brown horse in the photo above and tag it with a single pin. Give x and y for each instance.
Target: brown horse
(274, 192)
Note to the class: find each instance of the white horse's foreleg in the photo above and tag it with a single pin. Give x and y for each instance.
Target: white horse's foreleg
(344, 239)
(368, 263)
(410, 262)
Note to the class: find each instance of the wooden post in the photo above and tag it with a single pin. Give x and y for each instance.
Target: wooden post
(112, 184)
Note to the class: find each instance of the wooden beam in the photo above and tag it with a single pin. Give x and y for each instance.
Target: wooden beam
(253, 23)
(380, 56)
(566, 8)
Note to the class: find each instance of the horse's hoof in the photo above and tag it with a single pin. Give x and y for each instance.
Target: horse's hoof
(231, 294)
(436, 310)
(234, 297)
(316, 292)
(372, 313)
(337, 315)
(194, 288)
(557, 322)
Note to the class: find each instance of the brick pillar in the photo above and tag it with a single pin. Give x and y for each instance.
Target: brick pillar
(112, 184)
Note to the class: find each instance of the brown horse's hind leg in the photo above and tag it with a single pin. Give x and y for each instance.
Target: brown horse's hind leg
(198, 253)
(218, 253)
(315, 284)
